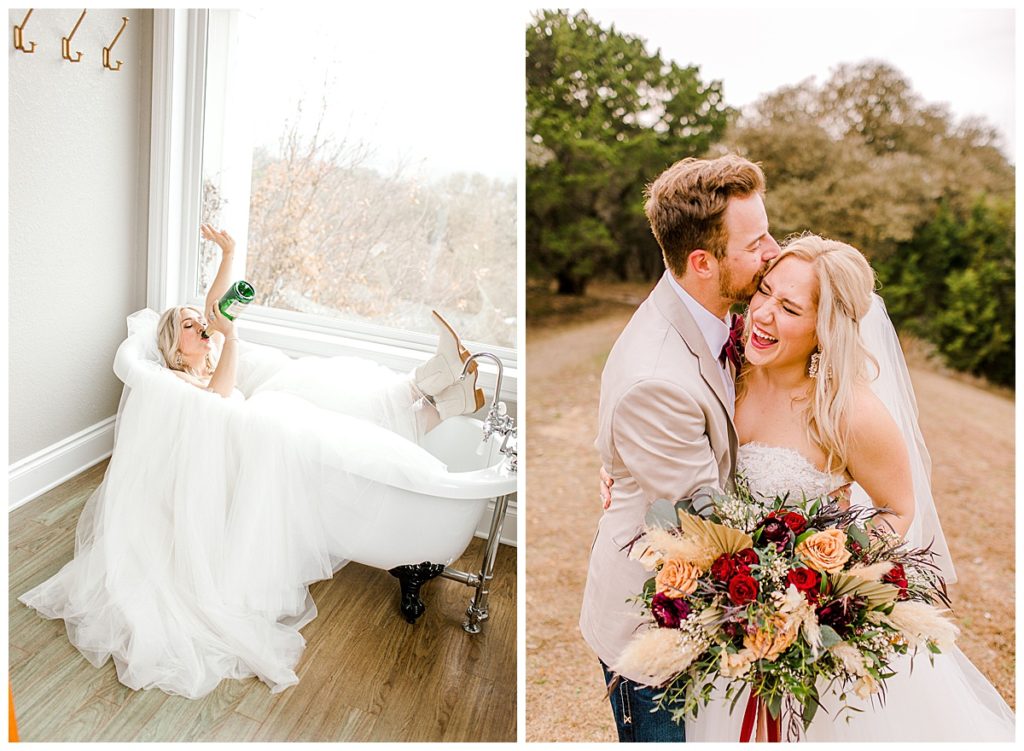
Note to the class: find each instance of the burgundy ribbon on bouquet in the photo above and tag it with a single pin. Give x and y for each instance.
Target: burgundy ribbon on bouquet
(755, 707)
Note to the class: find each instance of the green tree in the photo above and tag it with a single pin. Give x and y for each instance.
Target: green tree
(929, 200)
(914, 279)
(604, 117)
(974, 329)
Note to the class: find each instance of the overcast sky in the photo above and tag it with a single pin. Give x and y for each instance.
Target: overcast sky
(440, 88)
(443, 86)
(962, 57)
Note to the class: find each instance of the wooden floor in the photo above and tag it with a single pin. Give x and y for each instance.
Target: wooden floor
(366, 674)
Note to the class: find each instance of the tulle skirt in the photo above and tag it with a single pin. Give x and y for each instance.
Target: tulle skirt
(193, 557)
(950, 701)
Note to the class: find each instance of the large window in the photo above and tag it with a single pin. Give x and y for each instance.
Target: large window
(366, 162)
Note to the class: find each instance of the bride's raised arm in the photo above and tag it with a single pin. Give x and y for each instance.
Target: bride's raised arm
(878, 460)
(222, 281)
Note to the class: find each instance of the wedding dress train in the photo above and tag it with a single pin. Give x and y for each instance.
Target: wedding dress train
(194, 556)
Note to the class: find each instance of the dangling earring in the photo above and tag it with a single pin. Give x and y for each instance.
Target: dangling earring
(178, 362)
(812, 369)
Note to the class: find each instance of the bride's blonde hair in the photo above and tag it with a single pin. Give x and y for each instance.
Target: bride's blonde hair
(843, 297)
(168, 336)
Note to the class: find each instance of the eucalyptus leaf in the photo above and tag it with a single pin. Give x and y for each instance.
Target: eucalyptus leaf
(809, 710)
(649, 586)
(856, 534)
(829, 637)
(804, 535)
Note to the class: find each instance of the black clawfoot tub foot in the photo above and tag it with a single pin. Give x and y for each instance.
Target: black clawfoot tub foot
(411, 578)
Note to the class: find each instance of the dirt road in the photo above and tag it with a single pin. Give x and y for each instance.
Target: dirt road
(969, 431)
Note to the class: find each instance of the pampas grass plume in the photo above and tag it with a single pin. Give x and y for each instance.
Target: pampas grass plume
(921, 622)
(658, 655)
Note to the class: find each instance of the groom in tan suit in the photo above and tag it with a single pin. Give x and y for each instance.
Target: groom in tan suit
(667, 394)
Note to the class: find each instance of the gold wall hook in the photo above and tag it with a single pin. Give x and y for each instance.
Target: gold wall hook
(65, 43)
(19, 42)
(106, 50)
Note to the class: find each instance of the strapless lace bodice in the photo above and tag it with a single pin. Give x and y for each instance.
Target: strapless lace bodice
(773, 470)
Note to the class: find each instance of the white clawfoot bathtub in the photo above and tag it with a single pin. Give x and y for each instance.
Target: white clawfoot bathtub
(436, 523)
(411, 524)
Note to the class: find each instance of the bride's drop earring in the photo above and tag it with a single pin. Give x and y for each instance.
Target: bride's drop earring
(178, 362)
(812, 369)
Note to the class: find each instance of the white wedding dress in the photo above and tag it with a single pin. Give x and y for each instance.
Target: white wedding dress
(950, 701)
(194, 556)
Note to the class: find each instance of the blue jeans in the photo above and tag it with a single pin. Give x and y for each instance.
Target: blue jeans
(632, 705)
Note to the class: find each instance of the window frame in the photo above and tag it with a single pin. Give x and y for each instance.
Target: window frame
(180, 39)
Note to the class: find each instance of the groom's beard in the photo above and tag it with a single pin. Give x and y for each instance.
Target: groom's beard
(727, 290)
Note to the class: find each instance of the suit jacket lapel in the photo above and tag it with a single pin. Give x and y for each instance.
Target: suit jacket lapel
(675, 311)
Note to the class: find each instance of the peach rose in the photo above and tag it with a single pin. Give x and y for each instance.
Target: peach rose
(736, 665)
(825, 551)
(866, 686)
(677, 578)
(773, 640)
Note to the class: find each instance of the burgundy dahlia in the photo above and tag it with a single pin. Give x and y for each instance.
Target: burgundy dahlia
(669, 612)
(840, 614)
(774, 530)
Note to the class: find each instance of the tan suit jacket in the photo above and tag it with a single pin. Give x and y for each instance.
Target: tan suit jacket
(664, 431)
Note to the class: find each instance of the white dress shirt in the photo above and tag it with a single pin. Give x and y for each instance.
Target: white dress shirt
(716, 334)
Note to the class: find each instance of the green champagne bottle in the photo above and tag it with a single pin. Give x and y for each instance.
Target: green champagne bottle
(236, 299)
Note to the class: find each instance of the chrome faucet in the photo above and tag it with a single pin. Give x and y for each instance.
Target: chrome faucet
(497, 421)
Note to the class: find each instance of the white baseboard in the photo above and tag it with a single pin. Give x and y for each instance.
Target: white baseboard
(44, 470)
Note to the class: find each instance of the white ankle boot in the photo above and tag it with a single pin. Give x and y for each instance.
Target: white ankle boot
(442, 370)
(461, 398)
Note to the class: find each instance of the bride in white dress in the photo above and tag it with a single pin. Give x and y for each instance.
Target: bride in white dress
(193, 557)
(814, 414)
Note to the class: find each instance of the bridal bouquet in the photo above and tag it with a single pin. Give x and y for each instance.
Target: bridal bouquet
(777, 594)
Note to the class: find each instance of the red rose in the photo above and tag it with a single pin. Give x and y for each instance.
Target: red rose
(723, 568)
(895, 575)
(804, 578)
(747, 556)
(796, 522)
(742, 589)
(742, 568)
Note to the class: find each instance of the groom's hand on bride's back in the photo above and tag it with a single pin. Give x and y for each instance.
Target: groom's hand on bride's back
(606, 488)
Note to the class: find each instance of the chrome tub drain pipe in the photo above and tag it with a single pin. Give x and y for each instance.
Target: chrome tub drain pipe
(500, 423)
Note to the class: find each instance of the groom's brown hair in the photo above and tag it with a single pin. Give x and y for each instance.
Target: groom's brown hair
(686, 205)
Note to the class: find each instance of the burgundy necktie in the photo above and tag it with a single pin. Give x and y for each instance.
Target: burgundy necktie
(733, 347)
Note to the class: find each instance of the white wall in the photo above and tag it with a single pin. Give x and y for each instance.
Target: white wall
(78, 181)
